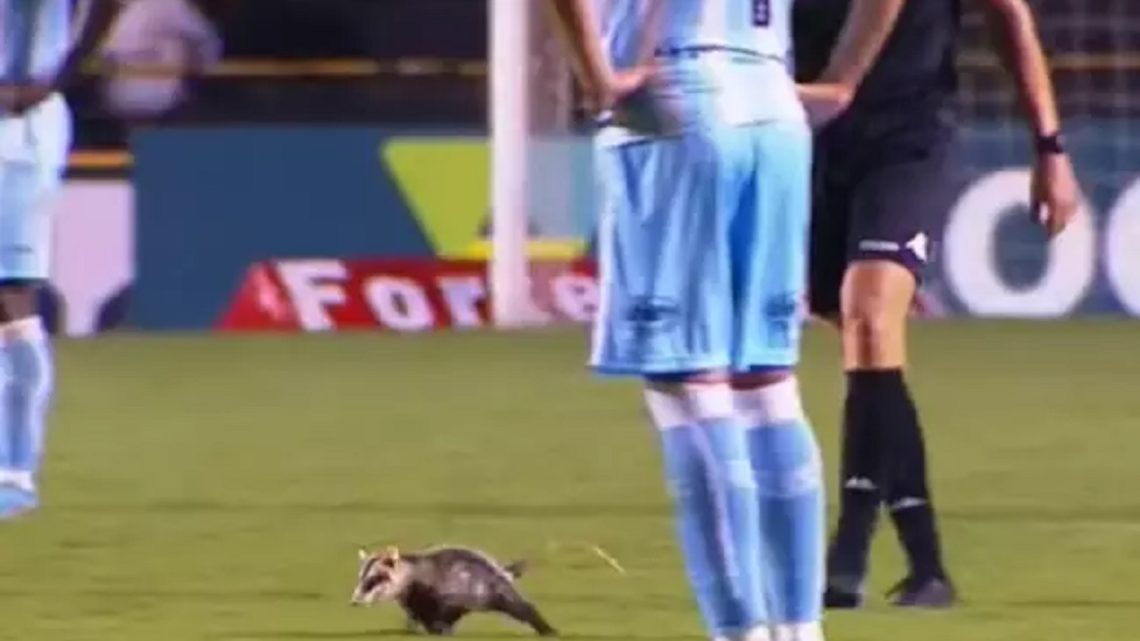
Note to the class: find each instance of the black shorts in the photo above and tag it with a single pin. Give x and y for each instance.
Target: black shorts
(877, 203)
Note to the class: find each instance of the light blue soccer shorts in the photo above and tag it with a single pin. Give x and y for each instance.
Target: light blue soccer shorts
(702, 251)
(33, 155)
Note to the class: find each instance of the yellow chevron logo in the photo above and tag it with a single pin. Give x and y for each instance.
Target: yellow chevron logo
(446, 183)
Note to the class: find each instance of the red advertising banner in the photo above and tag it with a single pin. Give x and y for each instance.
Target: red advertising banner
(328, 294)
(319, 295)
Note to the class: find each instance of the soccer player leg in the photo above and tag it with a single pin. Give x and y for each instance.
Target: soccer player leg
(770, 239)
(26, 369)
(707, 468)
(663, 317)
(896, 214)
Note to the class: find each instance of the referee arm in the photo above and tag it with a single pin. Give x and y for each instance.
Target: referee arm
(1014, 33)
(868, 25)
(1056, 193)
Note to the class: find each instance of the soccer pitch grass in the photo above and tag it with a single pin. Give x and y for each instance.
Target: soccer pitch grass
(217, 488)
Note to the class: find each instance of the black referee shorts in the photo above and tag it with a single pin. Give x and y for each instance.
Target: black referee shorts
(877, 204)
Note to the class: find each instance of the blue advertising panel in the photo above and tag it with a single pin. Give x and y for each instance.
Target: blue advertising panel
(213, 201)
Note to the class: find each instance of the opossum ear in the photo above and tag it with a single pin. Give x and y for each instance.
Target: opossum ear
(363, 554)
(392, 553)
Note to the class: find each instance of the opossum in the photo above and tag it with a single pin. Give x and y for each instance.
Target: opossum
(439, 586)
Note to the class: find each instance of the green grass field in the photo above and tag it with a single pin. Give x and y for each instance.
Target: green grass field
(217, 488)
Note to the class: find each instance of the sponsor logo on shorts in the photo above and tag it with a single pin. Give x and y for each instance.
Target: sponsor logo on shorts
(919, 246)
(652, 315)
(783, 305)
(780, 313)
(879, 246)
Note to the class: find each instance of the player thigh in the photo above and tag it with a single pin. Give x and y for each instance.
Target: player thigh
(663, 256)
(899, 208)
(26, 195)
(770, 243)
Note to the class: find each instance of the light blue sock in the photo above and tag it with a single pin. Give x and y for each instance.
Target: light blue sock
(27, 384)
(717, 511)
(786, 462)
(787, 467)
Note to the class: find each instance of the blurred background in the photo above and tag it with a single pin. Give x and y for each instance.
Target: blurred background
(273, 169)
(289, 122)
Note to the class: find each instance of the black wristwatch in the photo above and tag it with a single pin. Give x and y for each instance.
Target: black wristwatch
(1050, 144)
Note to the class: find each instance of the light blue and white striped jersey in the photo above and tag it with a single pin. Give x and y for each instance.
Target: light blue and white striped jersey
(35, 39)
(722, 62)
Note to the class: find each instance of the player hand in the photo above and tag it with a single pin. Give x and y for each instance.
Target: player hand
(19, 99)
(618, 86)
(825, 101)
(1055, 195)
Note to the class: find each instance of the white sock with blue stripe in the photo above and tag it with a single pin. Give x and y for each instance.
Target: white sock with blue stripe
(710, 477)
(26, 375)
(788, 472)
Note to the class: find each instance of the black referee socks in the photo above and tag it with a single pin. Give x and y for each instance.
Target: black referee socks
(861, 483)
(884, 459)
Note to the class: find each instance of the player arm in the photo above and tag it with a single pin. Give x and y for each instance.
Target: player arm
(1015, 34)
(94, 24)
(19, 99)
(575, 21)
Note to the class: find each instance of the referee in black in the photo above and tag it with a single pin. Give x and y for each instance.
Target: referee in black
(886, 173)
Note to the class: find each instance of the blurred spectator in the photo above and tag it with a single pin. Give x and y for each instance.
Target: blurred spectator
(185, 34)
(171, 34)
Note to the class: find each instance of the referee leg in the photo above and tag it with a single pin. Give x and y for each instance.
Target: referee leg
(895, 210)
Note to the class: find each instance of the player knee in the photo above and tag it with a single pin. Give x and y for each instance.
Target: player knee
(776, 402)
(783, 446)
(674, 404)
(703, 443)
(28, 363)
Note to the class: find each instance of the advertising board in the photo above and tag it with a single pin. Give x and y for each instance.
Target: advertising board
(216, 203)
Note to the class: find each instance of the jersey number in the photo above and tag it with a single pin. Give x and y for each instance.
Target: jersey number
(761, 13)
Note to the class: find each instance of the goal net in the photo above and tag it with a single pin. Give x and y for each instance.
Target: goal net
(990, 263)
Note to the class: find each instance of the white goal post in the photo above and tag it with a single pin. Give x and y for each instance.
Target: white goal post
(510, 123)
(536, 196)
